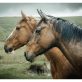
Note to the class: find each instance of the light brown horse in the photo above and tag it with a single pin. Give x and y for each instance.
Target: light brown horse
(21, 33)
(57, 32)
(60, 68)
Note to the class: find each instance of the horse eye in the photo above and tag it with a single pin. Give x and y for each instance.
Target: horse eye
(37, 31)
(17, 28)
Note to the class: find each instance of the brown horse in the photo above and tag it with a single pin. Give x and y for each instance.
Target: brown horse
(21, 34)
(57, 32)
(60, 68)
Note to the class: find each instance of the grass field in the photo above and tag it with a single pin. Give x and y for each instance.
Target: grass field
(15, 65)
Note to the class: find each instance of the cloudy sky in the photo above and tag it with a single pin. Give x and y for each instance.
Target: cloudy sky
(56, 9)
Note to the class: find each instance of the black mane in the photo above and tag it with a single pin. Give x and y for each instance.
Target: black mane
(68, 31)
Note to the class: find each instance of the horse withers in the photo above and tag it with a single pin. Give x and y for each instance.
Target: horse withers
(57, 32)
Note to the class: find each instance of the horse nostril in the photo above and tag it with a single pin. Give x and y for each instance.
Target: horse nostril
(27, 57)
(25, 54)
(5, 46)
(10, 49)
(7, 49)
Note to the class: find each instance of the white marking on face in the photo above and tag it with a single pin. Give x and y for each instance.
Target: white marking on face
(11, 33)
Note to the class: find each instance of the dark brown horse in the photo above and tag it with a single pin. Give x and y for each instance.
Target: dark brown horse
(60, 68)
(57, 32)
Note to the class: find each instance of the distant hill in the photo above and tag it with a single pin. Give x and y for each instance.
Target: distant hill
(8, 23)
(6, 26)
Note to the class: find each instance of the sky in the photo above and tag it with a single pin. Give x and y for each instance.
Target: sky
(55, 9)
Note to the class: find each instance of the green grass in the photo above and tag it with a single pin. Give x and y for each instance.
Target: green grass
(18, 71)
(14, 66)
(6, 26)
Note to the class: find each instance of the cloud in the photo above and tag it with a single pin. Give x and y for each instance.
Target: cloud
(56, 9)
(68, 13)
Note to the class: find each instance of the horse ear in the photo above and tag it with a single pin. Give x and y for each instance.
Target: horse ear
(39, 13)
(23, 15)
(42, 15)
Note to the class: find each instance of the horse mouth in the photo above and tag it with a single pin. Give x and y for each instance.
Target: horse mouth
(30, 59)
(8, 50)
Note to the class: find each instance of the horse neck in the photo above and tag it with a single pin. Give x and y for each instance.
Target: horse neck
(61, 29)
(60, 66)
(56, 56)
(68, 55)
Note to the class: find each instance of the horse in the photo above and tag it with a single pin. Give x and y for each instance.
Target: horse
(20, 37)
(57, 32)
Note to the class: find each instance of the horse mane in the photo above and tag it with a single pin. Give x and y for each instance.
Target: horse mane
(68, 31)
(29, 17)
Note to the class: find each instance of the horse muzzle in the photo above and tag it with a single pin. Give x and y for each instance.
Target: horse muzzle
(7, 50)
(29, 56)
